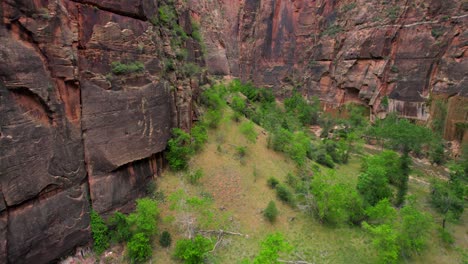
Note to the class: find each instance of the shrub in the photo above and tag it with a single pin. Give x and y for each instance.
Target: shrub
(238, 104)
(190, 69)
(305, 112)
(194, 177)
(373, 185)
(236, 116)
(119, 226)
(139, 248)
(270, 248)
(213, 118)
(241, 151)
(199, 136)
(415, 229)
(100, 232)
(325, 159)
(272, 182)
(284, 194)
(445, 236)
(167, 14)
(151, 188)
(248, 130)
(213, 98)
(179, 150)
(144, 219)
(271, 212)
(165, 239)
(335, 203)
(386, 242)
(193, 251)
(119, 68)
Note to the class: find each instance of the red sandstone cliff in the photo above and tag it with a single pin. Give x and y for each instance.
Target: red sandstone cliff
(72, 134)
(345, 51)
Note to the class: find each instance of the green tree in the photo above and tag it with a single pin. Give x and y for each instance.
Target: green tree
(179, 149)
(388, 160)
(448, 197)
(100, 233)
(144, 219)
(401, 134)
(415, 229)
(271, 212)
(335, 203)
(165, 239)
(373, 185)
(386, 242)
(402, 181)
(381, 213)
(270, 248)
(193, 251)
(139, 248)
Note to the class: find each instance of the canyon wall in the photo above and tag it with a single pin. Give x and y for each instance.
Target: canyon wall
(90, 89)
(391, 55)
(75, 133)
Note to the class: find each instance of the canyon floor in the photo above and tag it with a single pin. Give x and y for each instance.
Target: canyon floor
(233, 193)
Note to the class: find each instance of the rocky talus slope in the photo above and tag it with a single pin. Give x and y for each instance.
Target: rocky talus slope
(404, 53)
(75, 131)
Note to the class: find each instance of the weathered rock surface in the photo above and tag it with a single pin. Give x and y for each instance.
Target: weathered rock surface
(73, 134)
(343, 51)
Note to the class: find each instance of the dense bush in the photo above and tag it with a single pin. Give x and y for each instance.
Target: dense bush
(248, 130)
(373, 185)
(179, 150)
(270, 248)
(100, 234)
(305, 112)
(272, 182)
(119, 68)
(386, 242)
(284, 194)
(139, 248)
(448, 197)
(213, 118)
(324, 158)
(415, 230)
(193, 251)
(119, 227)
(213, 98)
(165, 239)
(199, 136)
(335, 203)
(238, 104)
(271, 212)
(144, 219)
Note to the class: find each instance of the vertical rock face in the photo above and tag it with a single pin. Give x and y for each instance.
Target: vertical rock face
(343, 51)
(75, 131)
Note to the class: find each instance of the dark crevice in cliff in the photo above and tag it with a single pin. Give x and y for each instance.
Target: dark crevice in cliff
(46, 192)
(112, 10)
